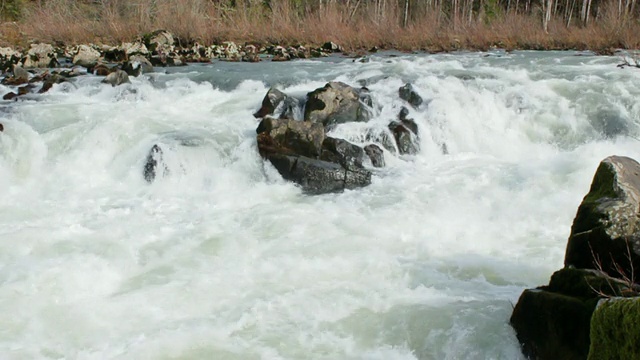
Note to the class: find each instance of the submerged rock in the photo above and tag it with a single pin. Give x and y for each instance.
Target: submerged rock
(336, 103)
(606, 230)
(376, 155)
(1, 127)
(409, 94)
(116, 78)
(151, 164)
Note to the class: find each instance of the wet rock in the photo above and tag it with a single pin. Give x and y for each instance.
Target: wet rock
(406, 140)
(286, 136)
(86, 56)
(340, 151)
(382, 137)
(317, 176)
(40, 56)
(116, 78)
(553, 322)
(279, 105)
(406, 121)
(101, 70)
(20, 76)
(137, 65)
(49, 81)
(293, 147)
(335, 103)
(9, 96)
(409, 94)
(1, 127)
(154, 158)
(375, 154)
(606, 230)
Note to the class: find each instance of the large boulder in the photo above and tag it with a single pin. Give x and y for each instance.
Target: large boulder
(159, 42)
(286, 136)
(302, 154)
(553, 322)
(40, 56)
(606, 230)
(86, 56)
(279, 105)
(375, 154)
(337, 103)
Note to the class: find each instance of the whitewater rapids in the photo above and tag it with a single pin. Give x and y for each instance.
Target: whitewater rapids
(222, 259)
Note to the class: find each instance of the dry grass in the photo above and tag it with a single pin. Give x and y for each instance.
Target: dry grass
(114, 21)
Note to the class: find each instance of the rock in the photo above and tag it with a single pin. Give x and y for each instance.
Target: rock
(606, 230)
(130, 49)
(137, 65)
(159, 41)
(49, 81)
(20, 76)
(1, 127)
(86, 56)
(116, 78)
(317, 176)
(40, 56)
(293, 147)
(230, 51)
(340, 151)
(336, 103)
(286, 136)
(101, 70)
(614, 329)
(407, 122)
(154, 157)
(280, 54)
(552, 322)
(406, 140)
(8, 58)
(331, 46)
(375, 154)
(383, 137)
(409, 94)
(9, 96)
(114, 54)
(250, 54)
(279, 105)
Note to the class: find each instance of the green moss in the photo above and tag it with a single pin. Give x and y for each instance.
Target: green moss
(602, 185)
(615, 330)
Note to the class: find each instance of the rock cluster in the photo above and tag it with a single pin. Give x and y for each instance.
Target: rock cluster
(603, 251)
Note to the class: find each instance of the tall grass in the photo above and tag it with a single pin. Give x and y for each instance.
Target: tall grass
(354, 24)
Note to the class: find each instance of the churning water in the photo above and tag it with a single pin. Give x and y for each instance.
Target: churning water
(222, 259)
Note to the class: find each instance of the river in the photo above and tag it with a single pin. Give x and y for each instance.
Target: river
(220, 258)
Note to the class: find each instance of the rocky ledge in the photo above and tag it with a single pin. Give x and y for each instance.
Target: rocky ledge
(590, 308)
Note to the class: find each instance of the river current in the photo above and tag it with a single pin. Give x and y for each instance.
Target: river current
(220, 258)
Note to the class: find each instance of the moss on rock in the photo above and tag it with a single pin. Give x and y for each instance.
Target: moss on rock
(615, 330)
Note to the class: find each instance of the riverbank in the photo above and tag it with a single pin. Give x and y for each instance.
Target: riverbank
(355, 31)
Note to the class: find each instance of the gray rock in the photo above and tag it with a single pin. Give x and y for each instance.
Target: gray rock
(409, 94)
(335, 103)
(116, 78)
(137, 65)
(286, 136)
(86, 56)
(340, 151)
(40, 56)
(606, 230)
(159, 41)
(279, 105)
(406, 140)
(154, 158)
(317, 176)
(375, 154)
(20, 74)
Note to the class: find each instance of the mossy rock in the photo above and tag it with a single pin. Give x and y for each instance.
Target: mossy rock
(551, 325)
(615, 330)
(606, 230)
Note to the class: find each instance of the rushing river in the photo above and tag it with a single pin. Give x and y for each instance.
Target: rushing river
(222, 259)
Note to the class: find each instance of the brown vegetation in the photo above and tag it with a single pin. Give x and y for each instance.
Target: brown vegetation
(432, 25)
